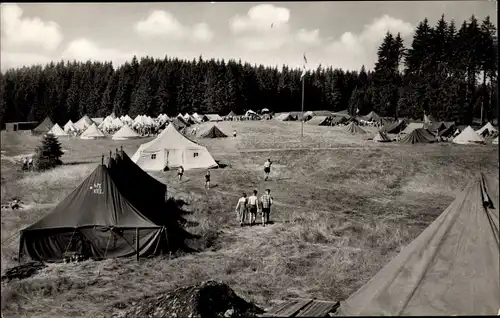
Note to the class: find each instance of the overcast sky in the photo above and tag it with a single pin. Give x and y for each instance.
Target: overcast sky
(341, 34)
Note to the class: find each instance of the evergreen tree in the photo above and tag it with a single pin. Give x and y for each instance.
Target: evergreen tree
(48, 154)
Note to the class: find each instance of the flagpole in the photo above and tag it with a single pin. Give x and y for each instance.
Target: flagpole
(302, 109)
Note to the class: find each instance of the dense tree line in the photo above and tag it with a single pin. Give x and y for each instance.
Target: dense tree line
(447, 71)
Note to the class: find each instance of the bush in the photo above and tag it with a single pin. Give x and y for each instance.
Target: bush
(48, 154)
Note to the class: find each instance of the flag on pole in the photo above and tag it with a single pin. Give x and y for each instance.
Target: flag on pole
(304, 67)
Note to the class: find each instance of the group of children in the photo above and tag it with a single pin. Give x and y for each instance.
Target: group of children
(27, 163)
(247, 208)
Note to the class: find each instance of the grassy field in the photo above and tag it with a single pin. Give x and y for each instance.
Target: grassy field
(344, 207)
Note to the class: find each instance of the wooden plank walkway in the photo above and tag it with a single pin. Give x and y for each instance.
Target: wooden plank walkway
(303, 307)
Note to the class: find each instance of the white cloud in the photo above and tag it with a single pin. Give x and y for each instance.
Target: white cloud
(16, 59)
(163, 24)
(309, 37)
(265, 27)
(19, 31)
(83, 49)
(351, 50)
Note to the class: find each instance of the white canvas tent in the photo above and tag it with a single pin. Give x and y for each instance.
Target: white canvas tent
(70, 127)
(117, 123)
(489, 127)
(56, 130)
(495, 141)
(106, 123)
(468, 136)
(171, 149)
(125, 133)
(92, 132)
(83, 123)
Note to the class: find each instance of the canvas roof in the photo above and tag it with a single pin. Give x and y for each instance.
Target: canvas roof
(83, 123)
(451, 268)
(285, 117)
(214, 117)
(44, 126)
(353, 128)
(231, 114)
(92, 132)
(69, 126)
(381, 137)
(171, 149)
(125, 133)
(489, 127)
(468, 136)
(97, 120)
(419, 135)
(214, 132)
(372, 116)
(411, 127)
(394, 127)
(117, 122)
(179, 123)
(317, 120)
(435, 126)
(495, 141)
(56, 130)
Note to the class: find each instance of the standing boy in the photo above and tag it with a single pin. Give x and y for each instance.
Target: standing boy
(266, 201)
(207, 179)
(267, 168)
(241, 208)
(253, 201)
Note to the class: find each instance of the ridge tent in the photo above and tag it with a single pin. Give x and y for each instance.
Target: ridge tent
(487, 129)
(411, 127)
(435, 127)
(468, 136)
(56, 130)
(381, 137)
(178, 123)
(91, 216)
(317, 120)
(394, 127)
(285, 117)
(447, 132)
(43, 128)
(231, 114)
(125, 133)
(70, 127)
(353, 128)
(213, 132)
(83, 123)
(170, 150)
(214, 117)
(419, 135)
(372, 116)
(451, 268)
(92, 133)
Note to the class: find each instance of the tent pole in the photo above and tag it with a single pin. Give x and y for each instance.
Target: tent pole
(302, 109)
(137, 242)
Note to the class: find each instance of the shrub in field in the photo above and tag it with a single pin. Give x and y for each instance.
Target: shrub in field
(48, 154)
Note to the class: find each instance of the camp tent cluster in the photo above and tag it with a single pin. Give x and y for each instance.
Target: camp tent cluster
(171, 149)
(118, 210)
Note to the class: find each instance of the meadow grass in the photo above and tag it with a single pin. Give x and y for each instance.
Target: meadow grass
(340, 215)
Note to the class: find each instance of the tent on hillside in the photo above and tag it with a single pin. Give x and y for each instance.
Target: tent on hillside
(125, 133)
(372, 116)
(394, 127)
(317, 121)
(43, 128)
(286, 117)
(83, 123)
(170, 150)
(56, 130)
(468, 136)
(213, 132)
(486, 130)
(90, 217)
(419, 135)
(92, 133)
(452, 268)
(495, 141)
(411, 127)
(381, 137)
(353, 128)
(69, 127)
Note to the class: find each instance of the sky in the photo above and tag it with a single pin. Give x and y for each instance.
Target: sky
(338, 34)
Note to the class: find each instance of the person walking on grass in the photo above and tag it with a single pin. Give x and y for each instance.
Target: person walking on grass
(25, 164)
(207, 179)
(30, 163)
(266, 200)
(180, 172)
(253, 202)
(267, 168)
(241, 208)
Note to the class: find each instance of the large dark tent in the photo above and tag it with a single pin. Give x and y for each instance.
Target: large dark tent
(44, 127)
(451, 269)
(214, 132)
(96, 220)
(394, 127)
(419, 135)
